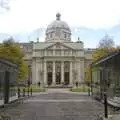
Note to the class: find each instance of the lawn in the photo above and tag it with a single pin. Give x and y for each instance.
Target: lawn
(82, 88)
(35, 88)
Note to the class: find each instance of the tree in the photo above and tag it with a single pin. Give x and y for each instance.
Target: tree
(105, 46)
(88, 75)
(11, 51)
(106, 43)
(23, 70)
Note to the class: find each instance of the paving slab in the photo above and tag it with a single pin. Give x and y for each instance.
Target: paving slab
(56, 106)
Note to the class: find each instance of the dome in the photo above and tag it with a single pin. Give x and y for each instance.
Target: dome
(58, 30)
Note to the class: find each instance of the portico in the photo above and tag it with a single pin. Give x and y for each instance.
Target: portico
(57, 73)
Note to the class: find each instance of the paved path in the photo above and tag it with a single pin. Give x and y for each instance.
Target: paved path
(56, 106)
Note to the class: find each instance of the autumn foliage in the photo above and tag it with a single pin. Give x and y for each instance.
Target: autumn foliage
(11, 51)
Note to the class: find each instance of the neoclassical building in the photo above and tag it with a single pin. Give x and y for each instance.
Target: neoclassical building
(58, 60)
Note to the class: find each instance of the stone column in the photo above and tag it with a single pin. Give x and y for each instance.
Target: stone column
(62, 72)
(37, 72)
(71, 53)
(53, 74)
(45, 73)
(53, 52)
(34, 81)
(79, 77)
(41, 73)
(81, 71)
(71, 79)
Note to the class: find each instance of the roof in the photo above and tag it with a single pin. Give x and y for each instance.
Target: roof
(58, 23)
(26, 44)
(7, 62)
(74, 45)
(43, 45)
(106, 58)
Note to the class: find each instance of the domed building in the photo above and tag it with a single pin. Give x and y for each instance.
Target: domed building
(57, 61)
(58, 31)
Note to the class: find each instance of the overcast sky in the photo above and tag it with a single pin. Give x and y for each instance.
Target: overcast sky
(27, 15)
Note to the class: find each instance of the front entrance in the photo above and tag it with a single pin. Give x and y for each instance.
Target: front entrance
(58, 72)
(54, 73)
(58, 78)
(49, 78)
(66, 78)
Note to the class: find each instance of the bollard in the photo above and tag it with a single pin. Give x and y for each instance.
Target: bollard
(105, 106)
(31, 91)
(28, 91)
(88, 91)
(23, 92)
(18, 92)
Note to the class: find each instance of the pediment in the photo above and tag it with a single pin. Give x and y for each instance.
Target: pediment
(58, 45)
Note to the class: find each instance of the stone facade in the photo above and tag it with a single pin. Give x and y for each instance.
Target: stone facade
(58, 60)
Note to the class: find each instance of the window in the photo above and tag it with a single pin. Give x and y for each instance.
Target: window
(65, 36)
(58, 66)
(66, 66)
(69, 35)
(58, 45)
(49, 66)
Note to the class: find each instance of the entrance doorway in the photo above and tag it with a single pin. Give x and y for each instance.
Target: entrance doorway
(49, 77)
(58, 78)
(66, 78)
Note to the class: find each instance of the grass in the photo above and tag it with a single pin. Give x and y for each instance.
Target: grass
(35, 88)
(82, 88)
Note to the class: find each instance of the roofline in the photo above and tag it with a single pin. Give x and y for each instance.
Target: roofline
(105, 58)
(9, 63)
